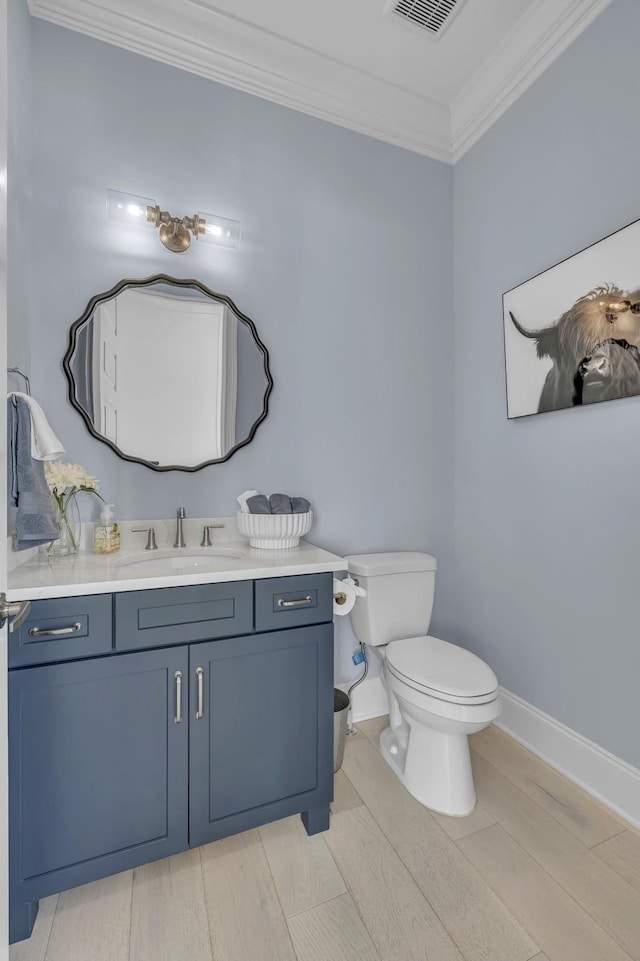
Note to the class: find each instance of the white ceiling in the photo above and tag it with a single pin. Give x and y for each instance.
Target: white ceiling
(347, 61)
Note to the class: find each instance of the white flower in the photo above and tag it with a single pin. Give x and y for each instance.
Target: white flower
(63, 477)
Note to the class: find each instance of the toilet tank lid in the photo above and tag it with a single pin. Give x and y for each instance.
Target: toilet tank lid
(399, 562)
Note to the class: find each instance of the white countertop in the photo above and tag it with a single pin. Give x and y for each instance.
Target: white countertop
(89, 573)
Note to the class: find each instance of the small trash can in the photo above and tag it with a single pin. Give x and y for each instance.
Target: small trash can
(340, 710)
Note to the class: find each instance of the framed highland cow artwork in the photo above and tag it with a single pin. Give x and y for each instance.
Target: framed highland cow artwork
(572, 333)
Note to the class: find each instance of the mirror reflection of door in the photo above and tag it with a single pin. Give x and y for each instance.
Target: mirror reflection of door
(168, 373)
(166, 388)
(105, 370)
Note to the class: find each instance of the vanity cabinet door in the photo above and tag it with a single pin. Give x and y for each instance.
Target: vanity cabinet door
(98, 769)
(260, 729)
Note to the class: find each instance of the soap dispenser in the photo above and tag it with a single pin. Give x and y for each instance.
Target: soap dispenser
(106, 537)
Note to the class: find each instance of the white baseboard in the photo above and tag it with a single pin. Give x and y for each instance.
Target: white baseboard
(603, 775)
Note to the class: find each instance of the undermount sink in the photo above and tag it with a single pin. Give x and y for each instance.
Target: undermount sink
(182, 561)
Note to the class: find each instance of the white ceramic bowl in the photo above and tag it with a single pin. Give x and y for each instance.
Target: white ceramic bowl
(274, 531)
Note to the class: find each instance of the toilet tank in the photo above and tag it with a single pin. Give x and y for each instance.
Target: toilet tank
(399, 600)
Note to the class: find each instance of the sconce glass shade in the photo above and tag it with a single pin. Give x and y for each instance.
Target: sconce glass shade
(174, 232)
(129, 209)
(219, 230)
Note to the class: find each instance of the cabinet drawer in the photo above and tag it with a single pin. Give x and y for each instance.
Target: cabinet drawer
(293, 601)
(63, 629)
(175, 615)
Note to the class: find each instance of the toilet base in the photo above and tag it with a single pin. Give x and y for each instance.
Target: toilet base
(435, 767)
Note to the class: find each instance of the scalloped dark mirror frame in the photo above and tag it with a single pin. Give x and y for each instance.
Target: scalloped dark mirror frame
(79, 324)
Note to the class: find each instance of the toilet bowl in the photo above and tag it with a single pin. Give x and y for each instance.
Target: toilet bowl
(438, 692)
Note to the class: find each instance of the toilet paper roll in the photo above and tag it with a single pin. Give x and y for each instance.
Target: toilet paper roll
(344, 597)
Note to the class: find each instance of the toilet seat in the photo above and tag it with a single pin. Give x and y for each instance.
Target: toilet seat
(442, 670)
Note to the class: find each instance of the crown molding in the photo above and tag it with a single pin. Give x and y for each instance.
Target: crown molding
(516, 65)
(265, 65)
(202, 40)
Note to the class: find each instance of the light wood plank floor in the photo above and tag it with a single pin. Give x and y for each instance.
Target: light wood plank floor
(539, 872)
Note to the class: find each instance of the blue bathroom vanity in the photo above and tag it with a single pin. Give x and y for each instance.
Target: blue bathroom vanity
(146, 721)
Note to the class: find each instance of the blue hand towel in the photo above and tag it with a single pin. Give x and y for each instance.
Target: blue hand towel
(300, 505)
(280, 504)
(258, 504)
(28, 490)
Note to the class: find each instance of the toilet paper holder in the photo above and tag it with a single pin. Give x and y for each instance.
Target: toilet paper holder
(340, 597)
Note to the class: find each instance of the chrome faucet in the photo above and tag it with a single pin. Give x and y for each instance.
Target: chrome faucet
(151, 539)
(206, 534)
(180, 516)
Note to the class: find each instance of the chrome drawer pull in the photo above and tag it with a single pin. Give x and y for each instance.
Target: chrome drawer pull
(56, 632)
(178, 718)
(200, 676)
(303, 602)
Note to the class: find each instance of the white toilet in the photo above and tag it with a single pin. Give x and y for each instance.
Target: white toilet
(438, 692)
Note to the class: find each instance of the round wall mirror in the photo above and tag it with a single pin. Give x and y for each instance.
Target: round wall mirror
(168, 373)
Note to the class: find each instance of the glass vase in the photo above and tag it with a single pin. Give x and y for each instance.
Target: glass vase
(68, 521)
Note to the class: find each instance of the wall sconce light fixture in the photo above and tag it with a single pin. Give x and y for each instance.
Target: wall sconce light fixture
(174, 232)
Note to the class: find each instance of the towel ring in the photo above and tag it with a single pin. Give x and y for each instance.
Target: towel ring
(16, 370)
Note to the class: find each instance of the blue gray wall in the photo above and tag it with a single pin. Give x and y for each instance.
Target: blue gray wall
(345, 266)
(19, 144)
(19, 154)
(547, 524)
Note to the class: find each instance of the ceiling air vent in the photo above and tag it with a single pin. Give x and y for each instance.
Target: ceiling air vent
(434, 16)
